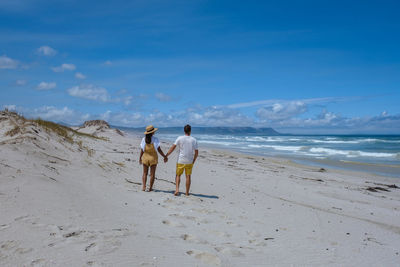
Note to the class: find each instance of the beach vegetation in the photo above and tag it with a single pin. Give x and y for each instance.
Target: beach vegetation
(80, 144)
(101, 165)
(121, 164)
(13, 131)
(90, 151)
(66, 133)
(58, 129)
(63, 131)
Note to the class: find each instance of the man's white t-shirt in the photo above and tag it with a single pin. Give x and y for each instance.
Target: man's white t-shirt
(186, 145)
(154, 140)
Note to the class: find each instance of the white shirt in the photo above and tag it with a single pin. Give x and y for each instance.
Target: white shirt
(186, 145)
(154, 140)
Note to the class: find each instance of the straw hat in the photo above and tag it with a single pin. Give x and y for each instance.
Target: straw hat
(150, 129)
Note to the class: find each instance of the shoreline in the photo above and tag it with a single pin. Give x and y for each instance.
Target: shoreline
(378, 168)
(384, 170)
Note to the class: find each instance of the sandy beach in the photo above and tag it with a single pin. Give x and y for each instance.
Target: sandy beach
(76, 200)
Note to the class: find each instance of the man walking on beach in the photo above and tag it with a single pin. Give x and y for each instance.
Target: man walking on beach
(188, 152)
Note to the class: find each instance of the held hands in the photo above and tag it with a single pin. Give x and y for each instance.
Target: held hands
(165, 159)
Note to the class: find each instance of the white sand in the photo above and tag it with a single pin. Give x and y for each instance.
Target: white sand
(65, 204)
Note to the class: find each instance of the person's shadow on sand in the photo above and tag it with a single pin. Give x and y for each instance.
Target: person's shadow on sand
(191, 194)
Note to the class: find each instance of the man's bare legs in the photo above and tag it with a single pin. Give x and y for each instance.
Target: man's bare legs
(187, 184)
(177, 182)
(152, 176)
(144, 177)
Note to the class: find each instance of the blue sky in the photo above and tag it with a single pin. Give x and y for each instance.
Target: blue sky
(296, 66)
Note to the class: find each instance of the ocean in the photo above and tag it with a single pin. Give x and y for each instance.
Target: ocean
(371, 153)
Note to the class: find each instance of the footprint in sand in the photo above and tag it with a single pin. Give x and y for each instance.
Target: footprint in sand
(23, 250)
(233, 224)
(22, 218)
(230, 251)
(205, 257)
(155, 237)
(172, 201)
(173, 223)
(186, 217)
(205, 211)
(204, 221)
(103, 241)
(193, 239)
(219, 233)
(9, 244)
(39, 262)
(253, 234)
(4, 226)
(107, 247)
(169, 207)
(257, 243)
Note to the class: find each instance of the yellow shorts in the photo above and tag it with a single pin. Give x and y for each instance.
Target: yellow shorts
(187, 167)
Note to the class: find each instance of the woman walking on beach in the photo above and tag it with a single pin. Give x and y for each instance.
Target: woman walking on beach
(148, 155)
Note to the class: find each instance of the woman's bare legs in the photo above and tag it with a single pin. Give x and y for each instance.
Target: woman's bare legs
(144, 177)
(152, 176)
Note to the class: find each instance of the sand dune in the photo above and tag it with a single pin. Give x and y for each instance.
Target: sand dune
(73, 199)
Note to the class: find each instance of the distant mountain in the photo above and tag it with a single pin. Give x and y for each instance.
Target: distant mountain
(210, 130)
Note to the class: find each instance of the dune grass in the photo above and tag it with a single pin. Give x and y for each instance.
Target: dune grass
(60, 130)
(13, 131)
(63, 131)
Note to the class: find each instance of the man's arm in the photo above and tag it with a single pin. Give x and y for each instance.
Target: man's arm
(171, 150)
(196, 153)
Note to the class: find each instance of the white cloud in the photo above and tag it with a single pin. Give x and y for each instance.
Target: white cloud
(123, 118)
(269, 102)
(163, 97)
(127, 100)
(8, 63)
(107, 63)
(197, 116)
(10, 107)
(20, 82)
(64, 67)
(65, 115)
(50, 112)
(91, 92)
(80, 76)
(332, 123)
(281, 111)
(326, 122)
(46, 86)
(46, 51)
(96, 93)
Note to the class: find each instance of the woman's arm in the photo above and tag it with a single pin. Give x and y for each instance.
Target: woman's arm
(140, 157)
(162, 154)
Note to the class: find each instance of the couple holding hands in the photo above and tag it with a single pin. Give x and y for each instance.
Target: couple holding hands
(188, 152)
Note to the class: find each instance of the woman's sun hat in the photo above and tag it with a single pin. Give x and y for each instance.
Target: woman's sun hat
(150, 129)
